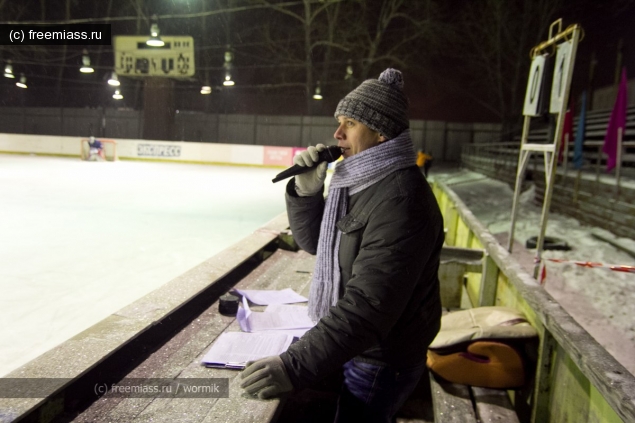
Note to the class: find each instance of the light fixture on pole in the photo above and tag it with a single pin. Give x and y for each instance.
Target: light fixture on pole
(349, 70)
(318, 92)
(114, 80)
(206, 89)
(228, 80)
(22, 82)
(155, 40)
(117, 95)
(86, 68)
(228, 65)
(8, 70)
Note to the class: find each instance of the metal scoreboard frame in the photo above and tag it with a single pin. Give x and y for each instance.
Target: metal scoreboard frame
(134, 58)
(562, 44)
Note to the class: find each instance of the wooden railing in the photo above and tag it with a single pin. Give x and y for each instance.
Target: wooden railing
(576, 379)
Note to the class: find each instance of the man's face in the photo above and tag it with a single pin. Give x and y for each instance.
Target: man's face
(354, 137)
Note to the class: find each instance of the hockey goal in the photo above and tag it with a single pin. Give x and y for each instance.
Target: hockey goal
(109, 149)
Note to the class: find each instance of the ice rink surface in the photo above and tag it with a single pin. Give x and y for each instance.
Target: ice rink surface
(81, 240)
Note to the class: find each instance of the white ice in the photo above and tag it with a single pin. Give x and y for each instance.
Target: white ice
(81, 240)
(601, 300)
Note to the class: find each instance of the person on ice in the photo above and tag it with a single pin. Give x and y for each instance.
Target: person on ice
(378, 237)
(95, 150)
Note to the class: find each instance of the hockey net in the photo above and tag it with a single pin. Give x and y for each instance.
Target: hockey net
(109, 149)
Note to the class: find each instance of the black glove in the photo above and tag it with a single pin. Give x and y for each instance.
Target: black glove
(267, 377)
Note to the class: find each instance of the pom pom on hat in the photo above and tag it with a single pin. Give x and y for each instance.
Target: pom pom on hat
(392, 77)
(380, 104)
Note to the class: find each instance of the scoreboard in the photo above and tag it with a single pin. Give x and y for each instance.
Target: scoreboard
(133, 57)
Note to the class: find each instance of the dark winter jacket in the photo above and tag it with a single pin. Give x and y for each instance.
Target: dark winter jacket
(389, 309)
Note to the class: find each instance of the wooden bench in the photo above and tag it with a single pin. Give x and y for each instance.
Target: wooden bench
(453, 402)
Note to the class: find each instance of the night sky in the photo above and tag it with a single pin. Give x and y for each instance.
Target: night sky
(436, 84)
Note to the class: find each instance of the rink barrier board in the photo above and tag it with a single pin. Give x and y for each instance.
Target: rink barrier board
(199, 162)
(576, 379)
(114, 343)
(195, 162)
(155, 150)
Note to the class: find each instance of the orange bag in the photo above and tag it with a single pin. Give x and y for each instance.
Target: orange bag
(482, 347)
(484, 363)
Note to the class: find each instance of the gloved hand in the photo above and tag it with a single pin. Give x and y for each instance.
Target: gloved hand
(267, 376)
(310, 183)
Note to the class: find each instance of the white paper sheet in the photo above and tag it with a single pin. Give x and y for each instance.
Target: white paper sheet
(233, 350)
(285, 308)
(266, 297)
(273, 308)
(296, 333)
(275, 317)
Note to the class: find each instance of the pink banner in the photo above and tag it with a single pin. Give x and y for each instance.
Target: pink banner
(278, 156)
(617, 120)
(297, 150)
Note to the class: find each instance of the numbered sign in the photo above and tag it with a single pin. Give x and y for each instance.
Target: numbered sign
(133, 57)
(535, 86)
(560, 72)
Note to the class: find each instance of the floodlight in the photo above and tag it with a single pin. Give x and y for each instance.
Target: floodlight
(318, 92)
(8, 71)
(86, 68)
(155, 40)
(228, 80)
(22, 82)
(114, 80)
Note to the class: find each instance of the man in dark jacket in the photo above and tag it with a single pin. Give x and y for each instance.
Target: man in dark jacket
(378, 237)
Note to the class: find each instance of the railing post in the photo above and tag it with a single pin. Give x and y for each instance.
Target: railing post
(489, 282)
(566, 157)
(618, 167)
(597, 165)
(452, 218)
(542, 388)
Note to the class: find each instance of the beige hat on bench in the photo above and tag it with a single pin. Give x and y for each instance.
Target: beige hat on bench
(482, 323)
(478, 347)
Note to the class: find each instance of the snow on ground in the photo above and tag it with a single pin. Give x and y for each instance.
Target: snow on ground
(601, 300)
(81, 240)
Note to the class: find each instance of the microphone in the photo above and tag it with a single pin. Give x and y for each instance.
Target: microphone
(329, 154)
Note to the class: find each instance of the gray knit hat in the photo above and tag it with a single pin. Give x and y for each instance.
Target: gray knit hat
(379, 104)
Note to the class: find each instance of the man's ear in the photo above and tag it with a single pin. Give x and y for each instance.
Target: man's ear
(381, 138)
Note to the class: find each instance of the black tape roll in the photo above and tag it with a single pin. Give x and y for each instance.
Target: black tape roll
(228, 305)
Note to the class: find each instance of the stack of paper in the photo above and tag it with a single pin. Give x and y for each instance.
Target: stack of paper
(265, 333)
(232, 350)
(273, 318)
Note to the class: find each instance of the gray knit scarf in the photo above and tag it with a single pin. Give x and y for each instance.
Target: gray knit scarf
(351, 176)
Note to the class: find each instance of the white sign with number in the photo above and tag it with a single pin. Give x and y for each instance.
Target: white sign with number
(534, 86)
(133, 57)
(558, 88)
